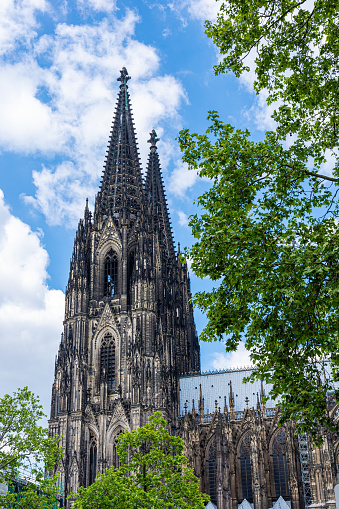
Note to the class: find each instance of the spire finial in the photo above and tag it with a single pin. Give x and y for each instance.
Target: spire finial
(123, 77)
(153, 139)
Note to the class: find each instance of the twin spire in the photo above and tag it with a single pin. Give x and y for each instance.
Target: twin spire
(122, 192)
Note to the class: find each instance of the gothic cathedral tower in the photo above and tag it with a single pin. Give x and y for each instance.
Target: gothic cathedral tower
(128, 329)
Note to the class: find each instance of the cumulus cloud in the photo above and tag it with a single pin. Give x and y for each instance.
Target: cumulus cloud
(98, 5)
(236, 359)
(182, 179)
(27, 124)
(183, 218)
(61, 193)
(203, 9)
(196, 9)
(31, 313)
(18, 21)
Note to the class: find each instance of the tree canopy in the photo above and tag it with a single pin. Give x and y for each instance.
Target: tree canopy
(268, 229)
(153, 474)
(27, 447)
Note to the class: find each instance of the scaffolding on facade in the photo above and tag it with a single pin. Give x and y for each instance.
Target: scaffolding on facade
(304, 458)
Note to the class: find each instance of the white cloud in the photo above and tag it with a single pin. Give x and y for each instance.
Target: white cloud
(240, 357)
(204, 9)
(196, 9)
(182, 179)
(61, 193)
(183, 218)
(260, 113)
(18, 21)
(27, 124)
(31, 314)
(98, 5)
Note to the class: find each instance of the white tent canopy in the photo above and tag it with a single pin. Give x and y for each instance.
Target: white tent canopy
(245, 505)
(210, 505)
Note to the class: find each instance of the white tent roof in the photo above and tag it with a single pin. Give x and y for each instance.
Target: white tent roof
(245, 505)
(281, 504)
(210, 505)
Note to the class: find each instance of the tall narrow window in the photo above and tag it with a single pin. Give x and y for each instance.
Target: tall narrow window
(110, 274)
(280, 468)
(92, 460)
(131, 262)
(212, 474)
(116, 458)
(246, 472)
(107, 361)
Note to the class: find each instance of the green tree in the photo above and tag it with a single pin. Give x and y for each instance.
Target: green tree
(268, 230)
(26, 446)
(154, 474)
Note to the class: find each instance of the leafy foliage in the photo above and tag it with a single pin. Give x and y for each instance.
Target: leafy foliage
(24, 445)
(295, 46)
(155, 474)
(268, 230)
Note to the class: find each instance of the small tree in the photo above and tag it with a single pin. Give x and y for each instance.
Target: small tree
(155, 474)
(24, 445)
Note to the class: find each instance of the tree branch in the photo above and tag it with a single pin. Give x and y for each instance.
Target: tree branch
(319, 176)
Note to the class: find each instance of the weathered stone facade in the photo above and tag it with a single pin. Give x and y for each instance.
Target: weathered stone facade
(241, 455)
(128, 334)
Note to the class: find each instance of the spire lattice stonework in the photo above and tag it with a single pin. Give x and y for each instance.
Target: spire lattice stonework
(155, 194)
(121, 188)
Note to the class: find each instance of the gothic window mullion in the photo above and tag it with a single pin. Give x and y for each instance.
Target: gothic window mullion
(110, 274)
(107, 361)
(92, 460)
(280, 468)
(246, 471)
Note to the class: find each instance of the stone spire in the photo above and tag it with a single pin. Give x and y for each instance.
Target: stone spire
(156, 197)
(121, 192)
(231, 400)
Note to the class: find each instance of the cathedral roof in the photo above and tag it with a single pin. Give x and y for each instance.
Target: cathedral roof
(215, 386)
(121, 186)
(156, 197)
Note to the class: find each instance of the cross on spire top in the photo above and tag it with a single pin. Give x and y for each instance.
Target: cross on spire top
(153, 139)
(124, 77)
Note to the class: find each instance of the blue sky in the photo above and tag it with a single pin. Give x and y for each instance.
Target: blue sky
(59, 61)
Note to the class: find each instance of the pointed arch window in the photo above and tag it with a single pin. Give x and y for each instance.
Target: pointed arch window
(212, 473)
(92, 460)
(245, 468)
(280, 468)
(107, 361)
(110, 273)
(117, 461)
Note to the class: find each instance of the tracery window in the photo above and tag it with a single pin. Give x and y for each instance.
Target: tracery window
(246, 471)
(107, 361)
(110, 274)
(280, 468)
(92, 460)
(212, 473)
(117, 462)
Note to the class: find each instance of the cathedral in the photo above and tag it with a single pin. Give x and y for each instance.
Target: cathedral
(130, 348)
